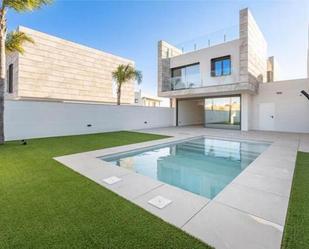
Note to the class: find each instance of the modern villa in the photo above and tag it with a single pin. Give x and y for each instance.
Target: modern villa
(226, 166)
(55, 69)
(232, 84)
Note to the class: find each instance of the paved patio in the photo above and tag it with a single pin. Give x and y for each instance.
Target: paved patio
(248, 213)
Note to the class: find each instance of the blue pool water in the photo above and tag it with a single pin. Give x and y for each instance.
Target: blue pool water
(202, 166)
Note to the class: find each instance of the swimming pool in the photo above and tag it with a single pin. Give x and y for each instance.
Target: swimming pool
(203, 166)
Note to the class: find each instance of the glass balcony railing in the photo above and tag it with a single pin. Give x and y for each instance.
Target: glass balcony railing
(179, 83)
(211, 39)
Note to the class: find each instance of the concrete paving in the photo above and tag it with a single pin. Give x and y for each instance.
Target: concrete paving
(248, 213)
(183, 207)
(268, 206)
(304, 143)
(225, 227)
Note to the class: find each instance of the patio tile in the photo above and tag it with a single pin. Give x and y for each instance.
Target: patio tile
(263, 204)
(304, 143)
(278, 162)
(265, 183)
(93, 168)
(280, 152)
(183, 206)
(133, 185)
(266, 170)
(227, 228)
(129, 147)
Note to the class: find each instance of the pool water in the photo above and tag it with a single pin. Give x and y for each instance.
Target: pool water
(202, 165)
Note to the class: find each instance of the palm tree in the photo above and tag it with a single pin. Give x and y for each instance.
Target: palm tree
(123, 74)
(12, 42)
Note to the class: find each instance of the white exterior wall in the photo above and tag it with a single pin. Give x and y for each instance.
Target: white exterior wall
(190, 112)
(308, 64)
(32, 119)
(308, 55)
(291, 108)
(204, 56)
(246, 113)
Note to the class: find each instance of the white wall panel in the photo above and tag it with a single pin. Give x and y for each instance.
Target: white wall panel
(291, 108)
(31, 119)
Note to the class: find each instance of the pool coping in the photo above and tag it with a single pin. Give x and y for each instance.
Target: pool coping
(255, 202)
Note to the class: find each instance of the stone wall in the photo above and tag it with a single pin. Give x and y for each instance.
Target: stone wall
(253, 49)
(54, 68)
(12, 58)
(165, 52)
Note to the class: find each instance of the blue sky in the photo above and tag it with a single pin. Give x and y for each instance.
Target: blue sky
(132, 28)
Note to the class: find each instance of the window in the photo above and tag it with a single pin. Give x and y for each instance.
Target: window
(186, 76)
(221, 66)
(10, 79)
(223, 112)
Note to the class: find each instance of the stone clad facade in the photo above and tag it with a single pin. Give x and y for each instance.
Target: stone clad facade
(253, 50)
(57, 69)
(165, 52)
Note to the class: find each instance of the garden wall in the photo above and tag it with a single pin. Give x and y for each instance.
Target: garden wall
(33, 119)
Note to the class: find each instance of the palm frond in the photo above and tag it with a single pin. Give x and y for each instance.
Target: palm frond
(15, 40)
(125, 73)
(138, 76)
(25, 5)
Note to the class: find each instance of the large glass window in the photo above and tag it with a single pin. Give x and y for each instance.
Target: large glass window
(221, 66)
(223, 112)
(186, 77)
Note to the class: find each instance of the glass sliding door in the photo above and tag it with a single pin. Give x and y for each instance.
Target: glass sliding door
(223, 112)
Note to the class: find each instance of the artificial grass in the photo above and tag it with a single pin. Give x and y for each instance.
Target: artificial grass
(44, 204)
(296, 233)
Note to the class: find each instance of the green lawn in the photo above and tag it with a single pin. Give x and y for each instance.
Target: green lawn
(296, 233)
(43, 204)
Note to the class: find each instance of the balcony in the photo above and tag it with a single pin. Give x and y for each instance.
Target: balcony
(180, 83)
(177, 87)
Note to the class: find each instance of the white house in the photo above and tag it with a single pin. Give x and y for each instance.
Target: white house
(232, 85)
(144, 99)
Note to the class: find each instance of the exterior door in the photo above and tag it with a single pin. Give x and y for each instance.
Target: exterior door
(267, 116)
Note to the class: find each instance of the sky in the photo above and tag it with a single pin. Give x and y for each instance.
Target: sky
(132, 29)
